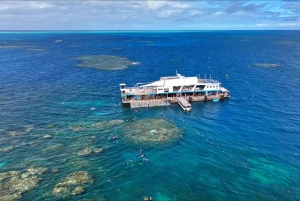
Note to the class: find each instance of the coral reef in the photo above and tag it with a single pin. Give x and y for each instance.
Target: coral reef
(97, 150)
(7, 149)
(73, 180)
(77, 191)
(76, 128)
(152, 131)
(47, 136)
(59, 190)
(29, 128)
(267, 65)
(105, 62)
(14, 183)
(107, 124)
(85, 152)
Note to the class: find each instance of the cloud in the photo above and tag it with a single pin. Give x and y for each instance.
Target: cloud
(290, 18)
(293, 6)
(289, 24)
(247, 7)
(143, 14)
(154, 5)
(40, 5)
(219, 13)
(262, 25)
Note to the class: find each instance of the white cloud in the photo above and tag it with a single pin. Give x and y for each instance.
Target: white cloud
(7, 5)
(143, 14)
(154, 5)
(195, 13)
(219, 13)
(40, 5)
(262, 25)
(168, 13)
(289, 24)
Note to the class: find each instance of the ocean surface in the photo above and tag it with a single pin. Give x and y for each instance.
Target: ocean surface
(244, 148)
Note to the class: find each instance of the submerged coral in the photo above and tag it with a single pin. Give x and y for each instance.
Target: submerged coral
(15, 46)
(267, 65)
(16, 133)
(85, 152)
(29, 128)
(14, 184)
(152, 131)
(105, 62)
(287, 42)
(79, 163)
(50, 126)
(59, 190)
(88, 151)
(32, 171)
(77, 191)
(73, 179)
(7, 149)
(76, 128)
(9, 174)
(47, 136)
(98, 150)
(36, 49)
(54, 147)
(106, 124)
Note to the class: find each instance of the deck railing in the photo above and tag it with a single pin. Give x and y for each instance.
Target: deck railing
(136, 91)
(149, 103)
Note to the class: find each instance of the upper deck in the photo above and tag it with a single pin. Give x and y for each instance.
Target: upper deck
(207, 81)
(172, 84)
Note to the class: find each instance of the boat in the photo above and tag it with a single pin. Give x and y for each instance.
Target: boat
(184, 104)
(169, 89)
(216, 100)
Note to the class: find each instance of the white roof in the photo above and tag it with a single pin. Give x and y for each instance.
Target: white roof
(183, 81)
(224, 90)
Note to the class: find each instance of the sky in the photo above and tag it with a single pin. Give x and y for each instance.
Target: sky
(150, 15)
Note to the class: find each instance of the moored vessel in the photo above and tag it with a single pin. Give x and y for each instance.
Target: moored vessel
(171, 89)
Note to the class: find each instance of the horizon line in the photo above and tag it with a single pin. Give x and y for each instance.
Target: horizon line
(153, 30)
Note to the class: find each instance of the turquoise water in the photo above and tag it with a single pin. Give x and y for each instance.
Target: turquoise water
(243, 148)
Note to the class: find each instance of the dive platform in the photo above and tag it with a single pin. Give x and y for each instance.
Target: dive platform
(173, 89)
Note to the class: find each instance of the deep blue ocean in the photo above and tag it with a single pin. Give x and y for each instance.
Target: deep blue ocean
(244, 148)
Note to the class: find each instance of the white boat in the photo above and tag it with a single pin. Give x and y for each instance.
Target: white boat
(167, 90)
(184, 104)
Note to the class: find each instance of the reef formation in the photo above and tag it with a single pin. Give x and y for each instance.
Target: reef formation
(267, 65)
(15, 183)
(72, 182)
(153, 131)
(105, 62)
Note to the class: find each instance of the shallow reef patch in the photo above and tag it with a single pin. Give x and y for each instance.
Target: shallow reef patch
(267, 65)
(105, 62)
(153, 131)
(14, 183)
(72, 182)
